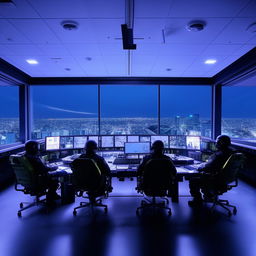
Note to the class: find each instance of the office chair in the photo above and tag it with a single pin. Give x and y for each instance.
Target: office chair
(229, 180)
(87, 178)
(31, 183)
(157, 179)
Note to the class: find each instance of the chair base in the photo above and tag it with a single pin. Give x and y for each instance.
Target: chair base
(36, 202)
(146, 203)
(225, 205)
(91, 204)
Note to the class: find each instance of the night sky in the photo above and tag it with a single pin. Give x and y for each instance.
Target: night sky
(128, 101)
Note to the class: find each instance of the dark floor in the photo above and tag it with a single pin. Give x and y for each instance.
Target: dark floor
(187, 232)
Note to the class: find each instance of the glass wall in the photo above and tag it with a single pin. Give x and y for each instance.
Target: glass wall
(129, 109)
(64, 110)
(185, 110)
(238, 112)
(9, 114)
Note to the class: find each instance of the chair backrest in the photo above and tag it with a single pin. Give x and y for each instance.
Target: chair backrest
(86, 174)
(231, 168)
(158, 175)
(25, 174)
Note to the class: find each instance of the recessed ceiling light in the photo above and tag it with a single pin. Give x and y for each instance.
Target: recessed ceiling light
(196, 25)
(168, 69)
(32, 61)
(69, 25)
(210, 61)
(67, 69)
(88, 58)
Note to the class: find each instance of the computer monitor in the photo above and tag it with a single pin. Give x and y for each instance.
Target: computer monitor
(120, 140)
(177, 141)
(79, 141)
(193, 142)
(132, 138)
(52, 143)
(95, 138)
(107, 141)
(137, 147)
(66, 142)
(163, 138)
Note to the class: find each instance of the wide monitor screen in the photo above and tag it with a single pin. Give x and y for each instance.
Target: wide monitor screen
(193, 142)
(52, 143)
(119, 141)
(107, 141)
(79, 141)
(137, 147)
(132, 138)
(177, 141)
(164, 139)
(67, 142)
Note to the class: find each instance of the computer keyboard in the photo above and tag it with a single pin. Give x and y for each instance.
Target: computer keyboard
(129, 161)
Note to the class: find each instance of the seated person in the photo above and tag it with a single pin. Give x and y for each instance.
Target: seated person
(157, 153)
(210, 170)
(90, 152)
(32, 154)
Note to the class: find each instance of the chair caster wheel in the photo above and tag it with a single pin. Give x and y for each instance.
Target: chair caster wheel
(169, 213)
(19, 214)
(74, 213)
(105, 210)
(235, 211)
(21, 205)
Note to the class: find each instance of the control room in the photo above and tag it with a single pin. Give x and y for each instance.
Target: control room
(127, 127)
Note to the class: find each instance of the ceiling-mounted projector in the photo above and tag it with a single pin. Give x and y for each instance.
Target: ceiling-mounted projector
(127, 35)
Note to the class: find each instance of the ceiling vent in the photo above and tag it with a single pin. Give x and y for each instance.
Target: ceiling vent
(196, 26)
(69, 25)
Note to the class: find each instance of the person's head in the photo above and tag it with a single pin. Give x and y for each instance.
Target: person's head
(157, 146)
(90, 146)
(32, 147)
(223, 142)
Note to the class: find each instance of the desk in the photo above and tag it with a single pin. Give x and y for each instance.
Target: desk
(123, 171)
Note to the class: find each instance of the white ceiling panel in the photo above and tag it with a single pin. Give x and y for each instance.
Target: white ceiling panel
(20, 9)
(221, 49)
(118, 65)
(202, 8)
(152, 8)
(112, 48)
(26, 50)
(236, 32)
(142, 64)
(36, 30)
(176, 32)
(83, 34)
(84, 50)
(249, 10)
(10, 35)
(53, 50)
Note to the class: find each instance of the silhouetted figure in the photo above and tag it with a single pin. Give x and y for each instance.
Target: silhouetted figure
(90, 152)
(211, 171)
(157, 153)
(32, 154)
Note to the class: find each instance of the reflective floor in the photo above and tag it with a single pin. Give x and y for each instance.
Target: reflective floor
(187, 232)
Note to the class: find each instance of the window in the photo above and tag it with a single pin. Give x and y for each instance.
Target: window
(128, 109)
(9, 115)
(64, 110)
(238, 112)
(185, 110)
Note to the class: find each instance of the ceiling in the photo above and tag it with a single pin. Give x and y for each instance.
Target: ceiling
(31, 29)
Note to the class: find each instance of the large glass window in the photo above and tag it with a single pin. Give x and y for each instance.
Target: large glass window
(9, 114)
(238, 112)
(64, 110)
(129, 109)
(185, 110)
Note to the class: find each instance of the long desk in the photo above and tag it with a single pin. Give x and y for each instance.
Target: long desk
(123, 171)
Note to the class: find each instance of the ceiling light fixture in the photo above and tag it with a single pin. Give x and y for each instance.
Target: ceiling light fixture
(196, 26)
(69, 25)
(210, 61)
(32, 61)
